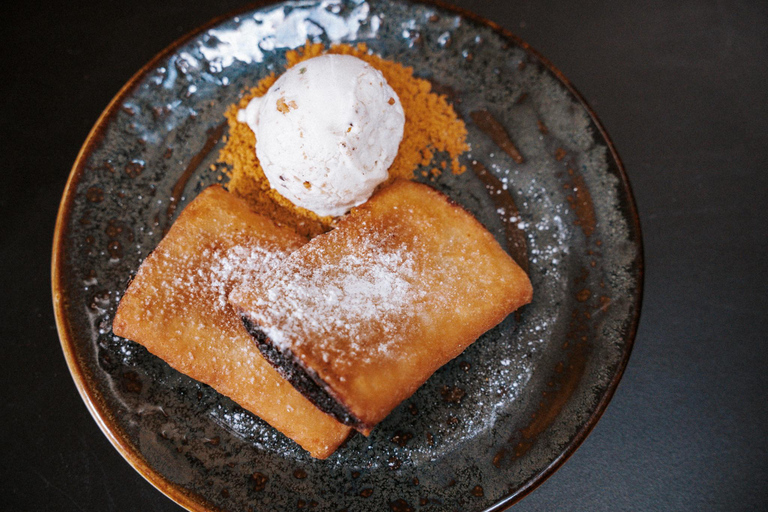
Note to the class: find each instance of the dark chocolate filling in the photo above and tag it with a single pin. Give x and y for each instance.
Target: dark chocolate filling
(305, 380)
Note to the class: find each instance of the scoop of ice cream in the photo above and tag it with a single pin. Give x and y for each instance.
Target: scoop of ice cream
(327, 132)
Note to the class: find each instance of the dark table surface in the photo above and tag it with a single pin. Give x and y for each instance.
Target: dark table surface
(682, 87)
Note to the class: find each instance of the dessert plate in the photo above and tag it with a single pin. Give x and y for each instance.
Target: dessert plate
(488, 427)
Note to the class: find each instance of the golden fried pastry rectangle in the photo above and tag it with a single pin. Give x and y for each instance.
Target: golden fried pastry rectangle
(176, 307)
(360, 317)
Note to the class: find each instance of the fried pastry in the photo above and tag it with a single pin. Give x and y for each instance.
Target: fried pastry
(360, 317)
(176, 307)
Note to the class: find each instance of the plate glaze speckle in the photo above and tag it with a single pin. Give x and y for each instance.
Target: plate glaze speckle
(486, 428)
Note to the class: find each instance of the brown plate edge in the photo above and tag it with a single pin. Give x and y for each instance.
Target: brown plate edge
(196, 503)
(95, 404)
(630, 208)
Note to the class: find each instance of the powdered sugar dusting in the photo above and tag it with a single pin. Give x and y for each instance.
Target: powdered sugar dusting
(372, 281)
(209, 275)
(239, 264)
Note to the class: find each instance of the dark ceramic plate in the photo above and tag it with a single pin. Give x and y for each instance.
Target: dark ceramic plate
(486, 428)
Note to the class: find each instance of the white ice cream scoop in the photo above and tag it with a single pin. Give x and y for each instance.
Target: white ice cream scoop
(327, 132)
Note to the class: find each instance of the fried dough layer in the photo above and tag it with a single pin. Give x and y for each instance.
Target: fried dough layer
(369, 311)
(176, 307)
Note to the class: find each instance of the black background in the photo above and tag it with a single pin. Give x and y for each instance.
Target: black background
(682, 87)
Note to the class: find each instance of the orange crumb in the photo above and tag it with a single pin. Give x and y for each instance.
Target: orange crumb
(431, 126)
(284, 107)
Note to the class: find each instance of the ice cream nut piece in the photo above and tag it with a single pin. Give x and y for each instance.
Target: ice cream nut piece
(326, 132)
(367, 312)
(176, 307)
